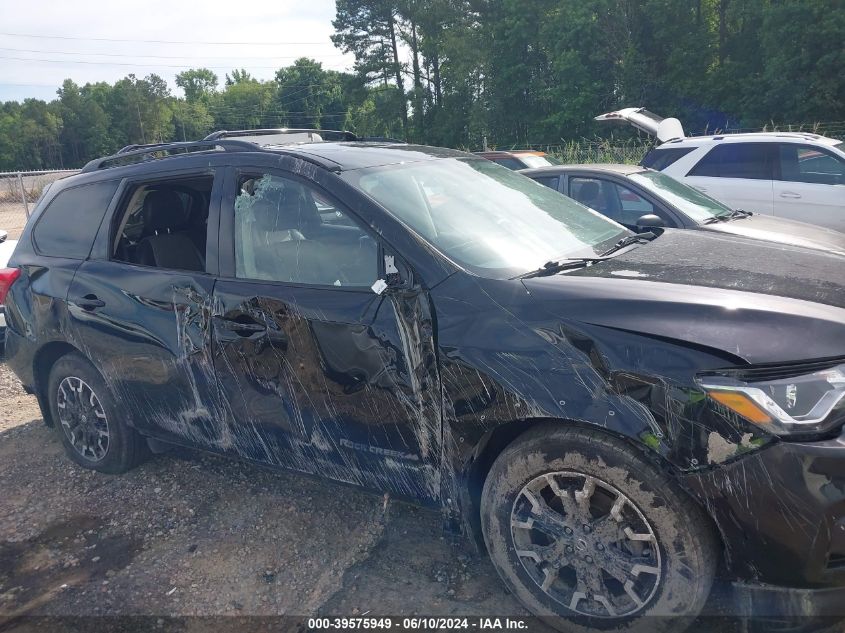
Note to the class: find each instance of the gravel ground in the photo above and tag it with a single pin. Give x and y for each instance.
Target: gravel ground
(192, 534)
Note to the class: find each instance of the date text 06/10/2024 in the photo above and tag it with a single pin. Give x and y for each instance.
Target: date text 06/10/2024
(417, 623)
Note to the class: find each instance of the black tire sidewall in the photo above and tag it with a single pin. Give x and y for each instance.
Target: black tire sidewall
(688, 559)
(123, 440)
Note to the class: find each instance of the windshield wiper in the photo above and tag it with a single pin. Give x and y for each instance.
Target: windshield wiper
(556, 266)
(553, 267)
(736, 214)
(637, 238)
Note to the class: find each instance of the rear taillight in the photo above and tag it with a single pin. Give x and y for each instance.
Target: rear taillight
(7, 278)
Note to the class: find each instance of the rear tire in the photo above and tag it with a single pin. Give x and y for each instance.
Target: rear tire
(581, 527)
(91, 425)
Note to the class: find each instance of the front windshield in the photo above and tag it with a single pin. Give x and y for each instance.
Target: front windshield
(487, 218)
(533, 160)
(691, 201)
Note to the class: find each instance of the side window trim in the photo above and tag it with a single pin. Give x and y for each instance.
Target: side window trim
(226, 236)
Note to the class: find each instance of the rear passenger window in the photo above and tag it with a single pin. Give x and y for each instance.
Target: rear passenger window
(661, 158)
(737, 160)
(286, 231)
(68, 225)
(163, 224)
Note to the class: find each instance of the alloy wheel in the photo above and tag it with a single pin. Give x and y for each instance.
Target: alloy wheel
(586, 545)
(83, 418)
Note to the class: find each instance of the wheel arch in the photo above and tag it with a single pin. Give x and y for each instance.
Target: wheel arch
(43, 361)
(496, 440)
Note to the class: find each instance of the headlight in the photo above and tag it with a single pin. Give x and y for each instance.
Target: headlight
(806, 403)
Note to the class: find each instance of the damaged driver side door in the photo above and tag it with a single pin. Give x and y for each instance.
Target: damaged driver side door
(320, 373)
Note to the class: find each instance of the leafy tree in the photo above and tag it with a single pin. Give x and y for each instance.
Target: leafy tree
(370, 29)
(457, 72)
(197, 83)
(238, 76)
(243, 104)
(307, 94)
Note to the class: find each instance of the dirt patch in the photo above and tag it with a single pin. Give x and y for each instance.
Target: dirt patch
(67, 552)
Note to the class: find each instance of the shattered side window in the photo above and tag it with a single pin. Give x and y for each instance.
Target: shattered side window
(285, 231)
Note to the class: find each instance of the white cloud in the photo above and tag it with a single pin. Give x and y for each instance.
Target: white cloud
(273, 32)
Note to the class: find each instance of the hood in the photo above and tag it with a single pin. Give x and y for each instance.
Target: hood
(771, 229)
(662, 129)
(757, 301)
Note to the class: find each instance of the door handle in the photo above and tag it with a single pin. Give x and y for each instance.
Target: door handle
(90, 302)
(699, 188)
(240, 328)
(789, 194)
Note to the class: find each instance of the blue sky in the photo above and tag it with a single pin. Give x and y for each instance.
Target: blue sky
(95, 40)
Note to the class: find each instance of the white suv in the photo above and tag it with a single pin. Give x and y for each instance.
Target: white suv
(793, 175)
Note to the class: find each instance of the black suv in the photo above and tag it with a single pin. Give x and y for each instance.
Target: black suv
(614, 416)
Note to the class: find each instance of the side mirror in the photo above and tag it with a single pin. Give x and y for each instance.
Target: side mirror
(650, 220)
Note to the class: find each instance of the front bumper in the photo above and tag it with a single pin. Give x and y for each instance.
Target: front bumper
(759, 601)
(781, 514)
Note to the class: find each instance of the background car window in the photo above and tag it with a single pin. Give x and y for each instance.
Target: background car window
(533, 160)
(632, 201)
(661, 158)
(613, 200)
(593, 193)
(67, 227)
(285, 231)
(736, 160)
(164, 224)
(803, 163)
(510, 163)
(689, 200)
(550, 181)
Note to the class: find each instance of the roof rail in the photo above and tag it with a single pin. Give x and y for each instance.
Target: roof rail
(335, 135)
(131, 155)
(134, 146)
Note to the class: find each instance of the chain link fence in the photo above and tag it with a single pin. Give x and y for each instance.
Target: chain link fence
(19, 191)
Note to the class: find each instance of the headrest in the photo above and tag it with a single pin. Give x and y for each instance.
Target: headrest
(589, 190)
(163, 209)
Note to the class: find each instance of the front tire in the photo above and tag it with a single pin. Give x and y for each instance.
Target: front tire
(581, 527)
(92, 428)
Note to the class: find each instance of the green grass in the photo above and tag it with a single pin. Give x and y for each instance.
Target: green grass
(586, 151)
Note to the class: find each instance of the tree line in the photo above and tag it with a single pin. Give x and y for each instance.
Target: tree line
(462, 72)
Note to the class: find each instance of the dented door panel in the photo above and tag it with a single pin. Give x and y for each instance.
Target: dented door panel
(158, 320)
(337, 382)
